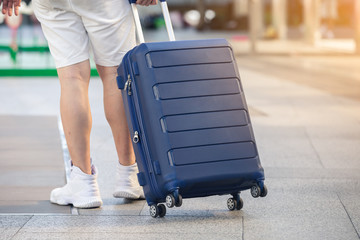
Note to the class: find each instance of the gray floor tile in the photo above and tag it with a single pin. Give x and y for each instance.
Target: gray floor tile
(26, 193)
(117, 207)
(32, 207)
(36, 177)
(10, 225)
(312, 187)
(297, 228)
(312, 173)
(136, 236)
(346, 156)
(352, 205)
(31, 163)
(134, 225)
(283, 146)
(287, 205)
(25, 96)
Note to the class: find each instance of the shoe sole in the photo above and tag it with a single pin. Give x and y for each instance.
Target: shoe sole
(89, 203)
(128, 195)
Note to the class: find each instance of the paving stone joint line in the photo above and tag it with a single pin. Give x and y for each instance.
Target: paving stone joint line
(347, 213)
(21, 227)
(313, 147)
(243, 228)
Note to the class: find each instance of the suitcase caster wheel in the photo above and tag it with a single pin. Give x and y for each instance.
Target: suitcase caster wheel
(154, 211)
(255, 191)
(231, 204)
(239, 203)
(179, 201)
(162, 210)
(264, 192)
(157, 210)
(170, 201)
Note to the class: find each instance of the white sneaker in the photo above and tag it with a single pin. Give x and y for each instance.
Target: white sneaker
(127, 184)
(82, 190)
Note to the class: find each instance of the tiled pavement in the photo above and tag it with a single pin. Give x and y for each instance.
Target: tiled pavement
(309, 143)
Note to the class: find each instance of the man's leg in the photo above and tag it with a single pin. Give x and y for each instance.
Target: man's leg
(127, 185)
(115, 115)
(82, 189)
(75, 112)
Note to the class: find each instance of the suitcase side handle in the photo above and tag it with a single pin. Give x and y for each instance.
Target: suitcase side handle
(134, 1)
(166, 14)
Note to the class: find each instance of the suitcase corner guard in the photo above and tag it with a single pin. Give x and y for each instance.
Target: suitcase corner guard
(141, 179)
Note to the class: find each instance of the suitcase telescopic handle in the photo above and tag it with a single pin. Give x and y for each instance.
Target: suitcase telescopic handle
(166, 14)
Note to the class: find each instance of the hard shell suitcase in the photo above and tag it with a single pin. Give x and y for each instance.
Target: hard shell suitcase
(189, 121)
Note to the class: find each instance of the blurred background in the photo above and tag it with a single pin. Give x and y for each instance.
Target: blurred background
(250, 25)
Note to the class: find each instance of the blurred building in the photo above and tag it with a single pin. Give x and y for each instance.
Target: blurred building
(309, 20)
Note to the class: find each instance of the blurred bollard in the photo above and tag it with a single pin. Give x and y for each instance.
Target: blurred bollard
(279, 18)
(255, 23)
(201, 7)
(312, 20)
(357, 25)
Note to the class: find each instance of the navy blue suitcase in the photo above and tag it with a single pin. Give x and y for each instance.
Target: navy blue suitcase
(189, 123)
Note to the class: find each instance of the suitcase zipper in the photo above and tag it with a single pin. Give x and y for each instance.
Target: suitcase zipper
(136, 137)
(128, 85)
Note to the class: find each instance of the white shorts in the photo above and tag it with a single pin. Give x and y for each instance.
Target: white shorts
(74, 27)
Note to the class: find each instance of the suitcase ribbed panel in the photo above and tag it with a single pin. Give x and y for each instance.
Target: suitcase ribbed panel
(209, 137)
(189, 57)
(196, 88)
(194, 72)
(196, 121)
(213, 153)
(202, 104)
